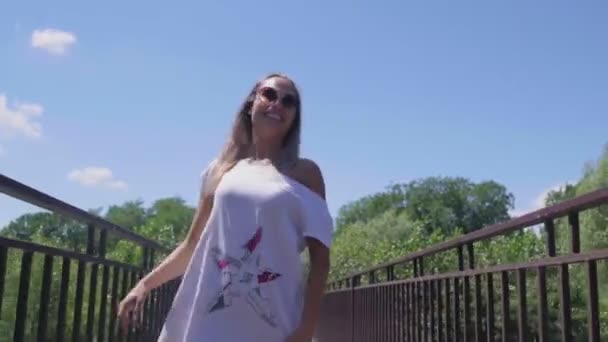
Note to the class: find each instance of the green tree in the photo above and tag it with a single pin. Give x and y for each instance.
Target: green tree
(566, 192)
(444, 203)
(53, 229)
(369, 207)
(381, 239)
(128, 215)
(168, 221)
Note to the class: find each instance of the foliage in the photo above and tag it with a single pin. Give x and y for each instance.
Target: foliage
(381, 239)
(368, 207)
(441, 203)
(446, 203)
(167, 221)
(53, 229)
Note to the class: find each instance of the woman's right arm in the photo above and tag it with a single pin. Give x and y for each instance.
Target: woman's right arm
(174, 265)
(171, 267)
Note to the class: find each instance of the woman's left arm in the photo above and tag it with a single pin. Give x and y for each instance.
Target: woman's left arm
(319, 268)
(319, 263)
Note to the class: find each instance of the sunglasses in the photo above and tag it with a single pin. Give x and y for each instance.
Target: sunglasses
(270, 94)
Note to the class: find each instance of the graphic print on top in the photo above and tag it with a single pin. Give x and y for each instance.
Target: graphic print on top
(242, 278)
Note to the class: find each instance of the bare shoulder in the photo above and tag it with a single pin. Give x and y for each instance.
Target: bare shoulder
(309, 173)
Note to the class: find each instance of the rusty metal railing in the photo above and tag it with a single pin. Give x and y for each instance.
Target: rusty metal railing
(63, 294)
(475, 302)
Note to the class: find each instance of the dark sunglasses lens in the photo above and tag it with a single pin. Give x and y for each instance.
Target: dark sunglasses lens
(269, 93)
(289, 101)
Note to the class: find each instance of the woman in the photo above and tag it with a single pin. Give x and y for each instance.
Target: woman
(260, 206)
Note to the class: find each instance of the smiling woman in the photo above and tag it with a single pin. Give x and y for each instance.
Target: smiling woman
(260, 207)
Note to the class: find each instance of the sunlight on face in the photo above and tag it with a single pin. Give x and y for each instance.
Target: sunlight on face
(274, 107)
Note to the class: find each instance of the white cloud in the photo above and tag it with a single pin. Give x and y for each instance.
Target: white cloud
(95, 176)
(20, 120)
(118, 185)
(538, 202)
(2, 152)
(54, 41)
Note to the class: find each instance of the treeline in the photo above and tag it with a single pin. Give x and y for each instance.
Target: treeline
(405, 218)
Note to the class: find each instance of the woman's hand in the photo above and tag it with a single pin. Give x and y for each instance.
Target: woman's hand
(131, 305)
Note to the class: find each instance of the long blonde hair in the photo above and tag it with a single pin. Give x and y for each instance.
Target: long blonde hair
(240, 144)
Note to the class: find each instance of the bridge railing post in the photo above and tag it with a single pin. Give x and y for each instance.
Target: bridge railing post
(351, 284)
(92, 250)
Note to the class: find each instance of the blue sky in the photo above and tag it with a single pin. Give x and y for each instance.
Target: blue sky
(513, 91)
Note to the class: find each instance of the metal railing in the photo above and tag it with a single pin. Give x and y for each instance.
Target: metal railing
(474, 302)
(51, 309)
